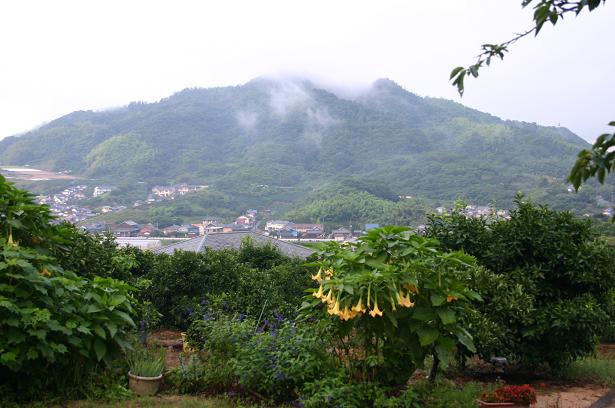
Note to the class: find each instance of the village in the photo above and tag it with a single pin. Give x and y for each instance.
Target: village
(66, 206)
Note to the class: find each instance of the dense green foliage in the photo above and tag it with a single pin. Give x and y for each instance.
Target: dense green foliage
(398, 297)
(271, 144)
(55, 325)
(555, 295)
(251, 281)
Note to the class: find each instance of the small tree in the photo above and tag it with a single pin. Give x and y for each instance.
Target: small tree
(393, 298)
(551, 302)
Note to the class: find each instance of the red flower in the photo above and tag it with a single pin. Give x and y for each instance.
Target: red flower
(519, 394)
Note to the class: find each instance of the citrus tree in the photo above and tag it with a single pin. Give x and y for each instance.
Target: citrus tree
(393, 298)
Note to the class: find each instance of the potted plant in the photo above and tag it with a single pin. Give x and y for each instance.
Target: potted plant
(509, 396)
(146, 367)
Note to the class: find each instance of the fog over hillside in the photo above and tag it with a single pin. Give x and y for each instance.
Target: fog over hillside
(290, 132)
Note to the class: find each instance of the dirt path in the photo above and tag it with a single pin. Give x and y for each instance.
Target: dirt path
(172, 341)
(570, 396)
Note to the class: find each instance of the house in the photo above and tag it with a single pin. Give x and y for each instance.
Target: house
(226, 228)
(188, 230)
(276, 225)
(287, 233)
(309, 230)
(100, 190)
(212, 228)
(170, 230)
(209, 220)
(96, 227)
(183, 189)
(126, 229)
(243, 220)
(341, 234)
(164, 191)
(147, 230)
(201, 228)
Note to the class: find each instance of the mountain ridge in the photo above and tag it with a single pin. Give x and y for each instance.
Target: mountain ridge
(292, 132)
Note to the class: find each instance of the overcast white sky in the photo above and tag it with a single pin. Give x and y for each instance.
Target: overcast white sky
(60, 56)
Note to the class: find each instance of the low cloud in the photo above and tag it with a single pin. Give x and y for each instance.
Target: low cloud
(247, 120)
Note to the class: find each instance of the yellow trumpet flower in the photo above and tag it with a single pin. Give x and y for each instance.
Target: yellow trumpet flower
(375, 311)
(404, 300)
(335, 310)
(329, 297)
(359, 308)
(346, 314)
(451, 298)
(318, 276)
(318, 294)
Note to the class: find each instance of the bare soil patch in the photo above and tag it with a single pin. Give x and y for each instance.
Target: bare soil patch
(172, 341)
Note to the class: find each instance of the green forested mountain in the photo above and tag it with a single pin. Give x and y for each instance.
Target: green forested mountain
(287, 141)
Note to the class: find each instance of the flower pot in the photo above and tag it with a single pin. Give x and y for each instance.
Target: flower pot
(484, 404)
(144, 386)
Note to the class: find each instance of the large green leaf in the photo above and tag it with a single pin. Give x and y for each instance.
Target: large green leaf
(100, 349)
(447, 316)
(427, 335)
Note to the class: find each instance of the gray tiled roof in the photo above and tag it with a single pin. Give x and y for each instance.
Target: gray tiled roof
(229, 240)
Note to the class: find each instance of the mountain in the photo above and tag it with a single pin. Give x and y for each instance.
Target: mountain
(296, 140)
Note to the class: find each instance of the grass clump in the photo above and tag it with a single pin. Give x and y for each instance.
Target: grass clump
(597, 370)
(145, 362)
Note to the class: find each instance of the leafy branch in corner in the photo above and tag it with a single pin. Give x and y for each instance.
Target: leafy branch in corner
(595, 162)
(598, 161)
(544, 11)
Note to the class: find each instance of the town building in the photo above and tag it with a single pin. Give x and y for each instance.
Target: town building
(276, 225)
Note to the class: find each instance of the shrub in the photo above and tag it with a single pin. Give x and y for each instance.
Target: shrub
(180, 282)
(337, 392)
(281, 287)
(199, 373)
(186, 285)
(222, 337)
(396, 298)
(555, 293)
(54, 325)
(279, 361)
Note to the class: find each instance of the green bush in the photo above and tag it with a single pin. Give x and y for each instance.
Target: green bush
(182, 281)
(54, 325)
(254, 281)
(337, 392)
(396, 297)
(553, 298)
(277, 362)
(222, 337)
(199, 373)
